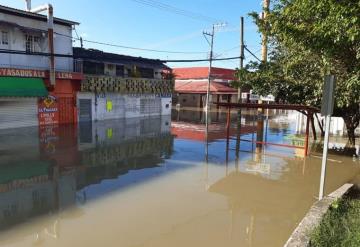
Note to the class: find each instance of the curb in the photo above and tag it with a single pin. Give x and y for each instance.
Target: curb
(300, 236)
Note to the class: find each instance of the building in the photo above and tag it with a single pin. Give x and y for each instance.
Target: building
(37, 87)
(191, 86)
(118, 86)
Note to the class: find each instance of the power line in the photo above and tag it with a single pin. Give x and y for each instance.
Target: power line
(132, 48)
(175, 10)
(252, 54)
(46, 54)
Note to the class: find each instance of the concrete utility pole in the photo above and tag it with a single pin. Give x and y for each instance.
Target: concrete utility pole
(211, 43)
(264, 50)
(242, 56)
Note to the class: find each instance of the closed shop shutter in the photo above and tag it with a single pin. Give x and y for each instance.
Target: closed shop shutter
(18, 112)
(84, 110)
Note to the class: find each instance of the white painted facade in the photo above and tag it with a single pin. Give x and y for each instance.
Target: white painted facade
(337, 125)
(106, 106)
(13, 32)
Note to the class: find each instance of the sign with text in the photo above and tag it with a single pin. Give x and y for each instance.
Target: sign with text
(48, 110)
(31, 73)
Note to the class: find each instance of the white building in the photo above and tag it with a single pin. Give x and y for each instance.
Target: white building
(119, 86)
(24, 31)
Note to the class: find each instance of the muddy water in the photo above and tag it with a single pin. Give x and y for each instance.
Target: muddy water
(155, 182)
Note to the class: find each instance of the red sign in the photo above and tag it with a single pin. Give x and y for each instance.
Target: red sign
(48, 110)
(39, 74)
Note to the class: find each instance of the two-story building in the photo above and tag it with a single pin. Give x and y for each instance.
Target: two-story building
(118, 86)
(37, 83)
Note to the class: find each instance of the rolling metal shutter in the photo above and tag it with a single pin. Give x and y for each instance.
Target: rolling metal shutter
(18, 112)
(84, 110)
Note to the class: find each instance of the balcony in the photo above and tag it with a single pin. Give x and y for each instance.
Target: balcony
(102, 84)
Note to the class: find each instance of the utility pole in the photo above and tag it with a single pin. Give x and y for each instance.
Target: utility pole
(211, 43)
(242, 57)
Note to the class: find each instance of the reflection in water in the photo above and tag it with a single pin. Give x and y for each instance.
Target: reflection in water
(57, 163)
(131, 183)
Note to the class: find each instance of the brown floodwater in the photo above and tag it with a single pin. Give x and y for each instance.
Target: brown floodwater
(157, 182)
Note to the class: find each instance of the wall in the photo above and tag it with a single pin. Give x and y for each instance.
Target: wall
(337, 125)
(62, 44)
(107, 106)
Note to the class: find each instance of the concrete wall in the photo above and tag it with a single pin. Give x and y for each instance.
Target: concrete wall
(107, 106)
(337, 125)
(62, 44)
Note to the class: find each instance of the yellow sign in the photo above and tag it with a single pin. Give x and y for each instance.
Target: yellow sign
(109, 105)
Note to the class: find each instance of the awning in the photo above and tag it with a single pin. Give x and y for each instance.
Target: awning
(22, 87)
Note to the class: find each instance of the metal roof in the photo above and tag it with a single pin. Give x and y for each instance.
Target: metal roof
(106, 57)
(27, 14)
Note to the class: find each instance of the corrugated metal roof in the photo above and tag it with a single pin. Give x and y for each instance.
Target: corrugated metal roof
(105, 57)
(23, 13)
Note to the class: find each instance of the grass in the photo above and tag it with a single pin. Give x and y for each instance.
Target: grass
(340, 225)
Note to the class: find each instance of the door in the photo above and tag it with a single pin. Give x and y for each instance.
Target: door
(66, 110)
(18, 112)
(85, 110)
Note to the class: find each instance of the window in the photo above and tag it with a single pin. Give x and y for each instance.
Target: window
(120, 70)
(93, 68)
(146, 72)
(4, 38)
(32, 43)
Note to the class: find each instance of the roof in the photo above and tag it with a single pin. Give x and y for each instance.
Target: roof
(197, 87)
(203, 72)
(100, 56)
(35, 16)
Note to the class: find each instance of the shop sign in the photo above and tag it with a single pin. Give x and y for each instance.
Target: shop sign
(48, 110)
(22, 73)
(31, 73)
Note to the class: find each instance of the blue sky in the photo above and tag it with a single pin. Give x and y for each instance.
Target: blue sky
(130, 23)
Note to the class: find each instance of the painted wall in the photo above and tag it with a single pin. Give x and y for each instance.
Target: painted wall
(62, 44)
(105, 106)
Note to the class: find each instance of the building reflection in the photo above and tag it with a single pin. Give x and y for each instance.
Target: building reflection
(46, 170)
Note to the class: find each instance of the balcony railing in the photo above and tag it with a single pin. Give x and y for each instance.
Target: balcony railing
(92, 83)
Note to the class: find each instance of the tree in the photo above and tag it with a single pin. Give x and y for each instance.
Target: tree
(310, 39)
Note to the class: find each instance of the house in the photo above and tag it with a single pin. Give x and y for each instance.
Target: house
(192, 82)
(119, 86)
(37, 82)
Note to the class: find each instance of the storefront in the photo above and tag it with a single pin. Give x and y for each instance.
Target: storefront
(28, 99)
(19, 101)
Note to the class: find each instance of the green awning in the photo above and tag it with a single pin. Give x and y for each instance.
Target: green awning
(22, 87)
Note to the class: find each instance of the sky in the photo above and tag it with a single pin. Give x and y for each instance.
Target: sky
(134, 23)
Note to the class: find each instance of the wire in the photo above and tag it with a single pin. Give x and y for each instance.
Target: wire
(252, 54)
(133, 48)
(175, 10)
(71, 56)
(199, 60)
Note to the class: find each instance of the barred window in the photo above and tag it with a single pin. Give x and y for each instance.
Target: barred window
(4, 38)
(32, 43)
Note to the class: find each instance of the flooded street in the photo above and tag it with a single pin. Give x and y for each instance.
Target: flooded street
(158, 182)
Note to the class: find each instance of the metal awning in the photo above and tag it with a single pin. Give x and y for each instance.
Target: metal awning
(22, 87)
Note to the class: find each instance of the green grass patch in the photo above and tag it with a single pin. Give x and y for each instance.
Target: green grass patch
(340, 225)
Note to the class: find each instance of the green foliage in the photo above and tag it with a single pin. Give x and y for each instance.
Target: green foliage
(340, 225)
(309, 39)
